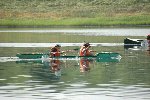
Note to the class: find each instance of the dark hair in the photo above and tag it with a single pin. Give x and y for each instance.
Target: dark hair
(57, 45)
(87, 44)
(148, 37)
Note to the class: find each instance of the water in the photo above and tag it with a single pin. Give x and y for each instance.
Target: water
(91, 32)
(53, 44)
(128, 78)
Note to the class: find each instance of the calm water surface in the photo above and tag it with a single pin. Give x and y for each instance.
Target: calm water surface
(127, 79)
(85, 31)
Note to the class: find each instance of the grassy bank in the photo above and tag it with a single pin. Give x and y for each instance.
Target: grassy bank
(74, 12)
(99, 21)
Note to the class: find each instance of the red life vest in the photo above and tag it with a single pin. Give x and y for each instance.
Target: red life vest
(84, 52)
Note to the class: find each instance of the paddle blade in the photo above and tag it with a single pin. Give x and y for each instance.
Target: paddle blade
(30, 56)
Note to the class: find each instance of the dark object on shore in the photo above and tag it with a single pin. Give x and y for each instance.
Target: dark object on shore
(130, 43)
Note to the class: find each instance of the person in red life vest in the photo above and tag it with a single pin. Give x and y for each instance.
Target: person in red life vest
(84, 50)
(55, 51)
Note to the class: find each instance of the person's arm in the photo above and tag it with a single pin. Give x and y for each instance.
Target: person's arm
(84, 51)
(90, 50)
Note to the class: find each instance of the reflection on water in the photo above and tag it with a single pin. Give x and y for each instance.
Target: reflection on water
(85, 64)
(78, 79)
(125, 79)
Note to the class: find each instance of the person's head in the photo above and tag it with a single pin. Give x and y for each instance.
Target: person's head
(148, 37)
(86, 44)
(57, 46)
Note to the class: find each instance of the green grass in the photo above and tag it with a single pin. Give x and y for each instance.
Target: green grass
(74, 12)
(99, 21)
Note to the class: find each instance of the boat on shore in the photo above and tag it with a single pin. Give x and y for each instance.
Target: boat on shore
(136, 43)
(129, 41)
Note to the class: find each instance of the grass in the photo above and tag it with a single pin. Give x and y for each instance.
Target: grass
(74, 12)
(99, 21)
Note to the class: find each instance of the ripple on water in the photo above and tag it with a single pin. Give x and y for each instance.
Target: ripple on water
(2, 79)
(24, 76)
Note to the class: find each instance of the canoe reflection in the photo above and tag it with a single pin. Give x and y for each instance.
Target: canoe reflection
(53, 69)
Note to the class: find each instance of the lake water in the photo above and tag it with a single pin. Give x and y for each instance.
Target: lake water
(125, 79)
(85, 31)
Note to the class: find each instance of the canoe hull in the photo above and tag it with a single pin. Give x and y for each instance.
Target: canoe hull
(30, 56)
(131, 43)
(103, 56)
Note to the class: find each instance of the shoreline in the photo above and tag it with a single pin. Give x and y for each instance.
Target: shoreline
(74, 26)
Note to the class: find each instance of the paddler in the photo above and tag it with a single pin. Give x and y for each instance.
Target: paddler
(85, 50)
(55, 51)
(56, 64)
(148, 39)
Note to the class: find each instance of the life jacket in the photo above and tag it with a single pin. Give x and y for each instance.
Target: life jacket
(55, 52)
(84, 52)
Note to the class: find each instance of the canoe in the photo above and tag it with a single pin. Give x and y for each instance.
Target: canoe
(100, 57)
(128, 41)
(136, 43)
(41, 55)
(30, 55)
(132, 43)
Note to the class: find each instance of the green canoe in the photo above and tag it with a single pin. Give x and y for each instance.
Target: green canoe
(100, 57)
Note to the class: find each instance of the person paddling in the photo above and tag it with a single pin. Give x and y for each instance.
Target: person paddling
(85, 63)
(85, 50)
(148, 39)
(55, 51)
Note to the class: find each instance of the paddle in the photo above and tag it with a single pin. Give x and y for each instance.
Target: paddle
(73, 50)
(76, 49)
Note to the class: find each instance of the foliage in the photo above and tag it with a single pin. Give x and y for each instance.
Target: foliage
(58, 12)
(98, 21)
